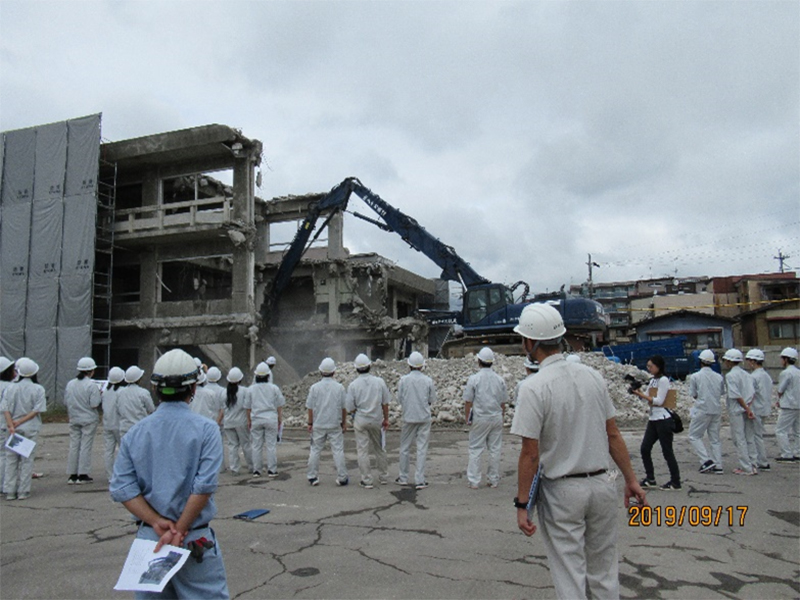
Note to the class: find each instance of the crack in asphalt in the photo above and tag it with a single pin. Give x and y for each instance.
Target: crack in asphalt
(728, 585)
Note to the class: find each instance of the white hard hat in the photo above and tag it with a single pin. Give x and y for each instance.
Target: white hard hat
(755, 354)
(214, 374)
(416, 359)
(707, 356)
(134, 373)
(789, 353)
(733, 355)
(115, 375)
(5, 363)
(271, 361)
(362, 361)
(201, 377)
(540, 322)
(173, 372)
(532, 365)
(262, 369)
(573, 358)
(327, 366)
(235, 375)
(87, 364)
(197, 362)
(486, 355)
(26, 367)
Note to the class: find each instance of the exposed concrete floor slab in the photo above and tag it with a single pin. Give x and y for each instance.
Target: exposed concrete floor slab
(396, 542)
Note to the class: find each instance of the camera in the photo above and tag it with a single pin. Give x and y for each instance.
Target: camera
(633, 383)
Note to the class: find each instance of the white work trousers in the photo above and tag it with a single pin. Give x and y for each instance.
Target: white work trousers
(758, 440)
(335, 438)
(485, 433)
(81, 441)
(3, 440)
(368, 440)
(263, 434)
(739, 438)
(578, 522)
(701, 425)
(421, 433)
(238, 438)
(19, 470)
(787, 430)
(111, 439)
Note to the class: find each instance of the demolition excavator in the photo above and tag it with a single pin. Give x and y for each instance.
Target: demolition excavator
(489, 312)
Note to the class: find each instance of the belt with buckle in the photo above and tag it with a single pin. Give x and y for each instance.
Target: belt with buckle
(592, 474)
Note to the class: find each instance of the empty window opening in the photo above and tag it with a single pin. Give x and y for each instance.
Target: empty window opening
(196, 279)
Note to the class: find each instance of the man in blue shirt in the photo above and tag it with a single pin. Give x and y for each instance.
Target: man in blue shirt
(166, 476)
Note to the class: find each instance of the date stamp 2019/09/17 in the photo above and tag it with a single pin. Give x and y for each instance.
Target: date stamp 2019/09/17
(694, 516)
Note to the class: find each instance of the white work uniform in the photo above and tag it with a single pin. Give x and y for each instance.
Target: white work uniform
(762, 408)
(263, 402)
(367, 395)
(111, 435)
(487, 392)
(20, 399)
(206, 403)
(134, 403)
(706, 387)
(3, 431)
(415, 394)
(566, 407)
(787, 430)
(82, 397)
(237, 435)
(326, 400)
(740, 385)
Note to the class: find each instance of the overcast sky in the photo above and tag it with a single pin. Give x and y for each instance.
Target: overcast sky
(661, 137)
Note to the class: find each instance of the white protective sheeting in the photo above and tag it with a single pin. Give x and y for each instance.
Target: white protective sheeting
(48, 208)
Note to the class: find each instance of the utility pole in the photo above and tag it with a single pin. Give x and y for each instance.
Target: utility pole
(591, 284)
(780, 258)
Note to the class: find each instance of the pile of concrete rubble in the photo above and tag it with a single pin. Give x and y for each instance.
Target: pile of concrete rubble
(450, 377)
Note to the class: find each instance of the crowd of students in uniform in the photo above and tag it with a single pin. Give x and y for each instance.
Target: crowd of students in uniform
(251, 418)
(746, 395)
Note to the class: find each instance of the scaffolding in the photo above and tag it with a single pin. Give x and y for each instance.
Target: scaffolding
(104, 266)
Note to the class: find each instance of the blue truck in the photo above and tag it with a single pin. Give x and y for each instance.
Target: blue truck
(678, 364)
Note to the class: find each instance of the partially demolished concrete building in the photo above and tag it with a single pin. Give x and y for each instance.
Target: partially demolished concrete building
(182, 258)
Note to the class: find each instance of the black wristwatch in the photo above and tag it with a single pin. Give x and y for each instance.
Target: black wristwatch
(519, 504)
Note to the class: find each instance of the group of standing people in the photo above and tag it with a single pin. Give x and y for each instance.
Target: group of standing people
(747, 395)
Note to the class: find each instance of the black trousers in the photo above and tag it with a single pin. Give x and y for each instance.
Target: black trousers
(661, 431)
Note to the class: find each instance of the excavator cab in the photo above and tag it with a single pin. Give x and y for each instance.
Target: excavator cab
(481, 302)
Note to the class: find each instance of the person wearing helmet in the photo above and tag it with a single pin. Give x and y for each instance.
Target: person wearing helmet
(234, 422)
(368, 397)
(134, 402)
(787, 430)
(82, 397)
(327, 420)
(271, 362)
(485, 398)
(531, 368)
(740, 393)
(111, 437)
(706, 387)
(7, 375)
(264, 405)
(762, 405)
(415, 394)
(24, 401)
(218, 393)
(166, 474)
(565, 418)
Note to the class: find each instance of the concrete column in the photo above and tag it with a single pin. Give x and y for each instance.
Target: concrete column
(243, 271)
(148, 284)
(336, 237)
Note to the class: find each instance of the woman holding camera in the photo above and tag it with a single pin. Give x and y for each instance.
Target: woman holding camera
(659, 427)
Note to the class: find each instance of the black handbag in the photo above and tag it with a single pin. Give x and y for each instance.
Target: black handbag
(677, 422)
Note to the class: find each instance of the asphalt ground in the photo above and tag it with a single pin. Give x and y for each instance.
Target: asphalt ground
(447, 541)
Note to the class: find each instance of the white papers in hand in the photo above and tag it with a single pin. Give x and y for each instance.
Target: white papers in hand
(148, 571)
